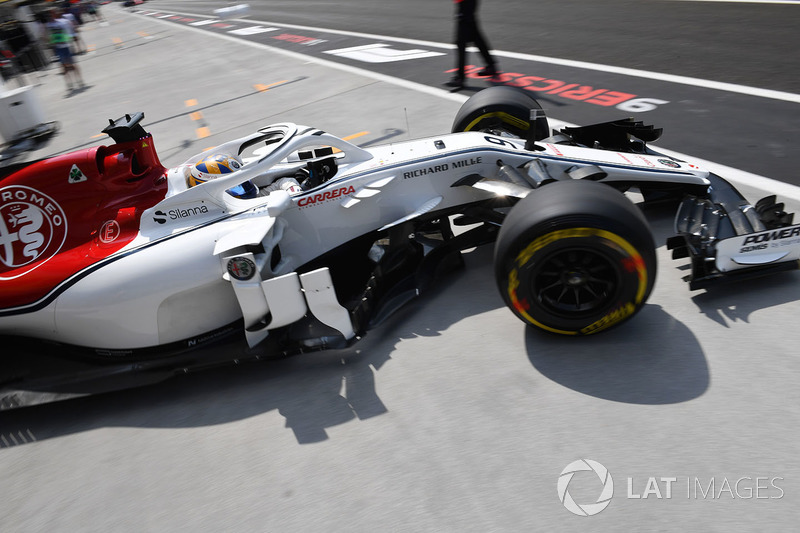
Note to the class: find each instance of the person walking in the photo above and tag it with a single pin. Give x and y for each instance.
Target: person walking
(60, 32)
(73, 16)
(467, 31)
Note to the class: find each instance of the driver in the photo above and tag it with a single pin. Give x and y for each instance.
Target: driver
(219, 165)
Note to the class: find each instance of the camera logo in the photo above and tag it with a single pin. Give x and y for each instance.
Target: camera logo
(586, 509)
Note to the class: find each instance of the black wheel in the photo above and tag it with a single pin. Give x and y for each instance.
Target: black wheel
(502, 110)
(575, 258)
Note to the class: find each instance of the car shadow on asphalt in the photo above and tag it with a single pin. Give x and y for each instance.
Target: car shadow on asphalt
(652, 359)
(732, 300)
(726, 304)
(313, 392)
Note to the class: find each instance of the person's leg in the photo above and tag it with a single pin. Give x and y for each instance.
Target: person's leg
(80, 43)
(461, 44)
(479, 41)
(64, 59)
(77, 73)
(71, 70)
(476, 36)
(457, 80)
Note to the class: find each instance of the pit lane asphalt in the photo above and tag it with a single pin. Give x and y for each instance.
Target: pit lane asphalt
(452, 416)
(706, 65)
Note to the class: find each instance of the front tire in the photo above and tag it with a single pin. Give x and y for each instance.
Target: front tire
(502, 110)
(575, 258)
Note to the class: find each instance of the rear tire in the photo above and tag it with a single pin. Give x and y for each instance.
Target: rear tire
(575, 258)
(502, 110)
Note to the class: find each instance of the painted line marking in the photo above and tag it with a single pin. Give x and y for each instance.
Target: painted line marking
(355, 135)
(658, 76)
(786, 2)
(381, 53)
(203, 130)
(261, 87)
(350, 138)
(733, 175)
(684, 80)
(646, 74)
(252, 30)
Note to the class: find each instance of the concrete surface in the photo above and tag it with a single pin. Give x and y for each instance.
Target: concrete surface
(453, 416)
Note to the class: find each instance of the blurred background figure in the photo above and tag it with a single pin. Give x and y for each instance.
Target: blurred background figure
(93, 10)
(467, 31)
(60, 31)
(73, 14)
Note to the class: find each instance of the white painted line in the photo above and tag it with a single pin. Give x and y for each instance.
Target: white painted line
(252, 30)
(416, 42)
(735, 176)
(672, 78)
(795, 2)
(658, 76)
(646, 74)
(381, 53)
(418, 87)
(741, 177)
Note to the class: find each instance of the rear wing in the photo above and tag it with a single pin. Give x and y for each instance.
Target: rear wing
(126, 129)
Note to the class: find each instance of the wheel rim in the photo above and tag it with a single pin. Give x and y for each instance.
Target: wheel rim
(500, 129)
(575, 281)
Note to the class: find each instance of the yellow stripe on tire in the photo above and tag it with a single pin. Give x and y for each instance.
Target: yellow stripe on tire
(614, 316)
(505, 117)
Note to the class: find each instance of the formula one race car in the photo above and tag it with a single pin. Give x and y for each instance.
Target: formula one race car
(297, 240)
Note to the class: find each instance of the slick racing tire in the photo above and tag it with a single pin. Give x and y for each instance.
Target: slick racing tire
(575, 258)
(502, 110)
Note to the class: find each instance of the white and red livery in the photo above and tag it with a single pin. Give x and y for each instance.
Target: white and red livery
(108, 257)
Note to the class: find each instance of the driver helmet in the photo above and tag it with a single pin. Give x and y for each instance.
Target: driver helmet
(219, 165)
(212, 167)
